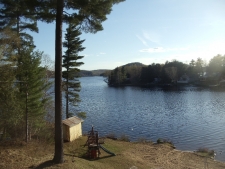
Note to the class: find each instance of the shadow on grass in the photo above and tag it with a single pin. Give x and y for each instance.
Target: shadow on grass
(87, 158)
(100, 158)
(71, 155)
(45, 164)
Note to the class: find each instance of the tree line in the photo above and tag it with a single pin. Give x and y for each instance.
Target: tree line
(23, 87)
(169, 72)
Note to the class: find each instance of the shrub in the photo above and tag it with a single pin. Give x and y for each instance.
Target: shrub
(82, 115)
(111, 136)
(160, 141)
(205, 152)
(123, 137)
(45, 133)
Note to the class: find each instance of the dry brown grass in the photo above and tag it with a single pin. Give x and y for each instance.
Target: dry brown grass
(36, 154)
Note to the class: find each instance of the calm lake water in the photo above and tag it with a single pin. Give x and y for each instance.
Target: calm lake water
(190, 117)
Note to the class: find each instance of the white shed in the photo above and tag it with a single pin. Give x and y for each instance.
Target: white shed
(72, 128)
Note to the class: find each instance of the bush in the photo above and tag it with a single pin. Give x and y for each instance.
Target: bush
(160, 141)
(111, 136)
(45, 133)
(124, 138)
(82, 115)
(205, 152)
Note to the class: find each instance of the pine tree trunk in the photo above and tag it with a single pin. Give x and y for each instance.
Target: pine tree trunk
(67, 96)
(58, 158)
(18, 32)
(26, 114)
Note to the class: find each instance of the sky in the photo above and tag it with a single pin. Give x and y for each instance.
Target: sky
(149, 31)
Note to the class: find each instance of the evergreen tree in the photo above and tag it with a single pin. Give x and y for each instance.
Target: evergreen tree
(10, 114)
(111, 78)
(148, 74)
(117, 77)
(73, 44)
(123, 75)
(191, 70)
(32, 88)
(216, 64)
(199, 66)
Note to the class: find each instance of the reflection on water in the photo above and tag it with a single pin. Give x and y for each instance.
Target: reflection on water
(190, 117)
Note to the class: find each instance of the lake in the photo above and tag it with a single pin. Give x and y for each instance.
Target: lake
(190, 117)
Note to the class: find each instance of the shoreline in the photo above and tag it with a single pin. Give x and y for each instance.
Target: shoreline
(37, 154)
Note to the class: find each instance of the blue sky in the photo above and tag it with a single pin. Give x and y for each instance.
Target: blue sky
(149, 31)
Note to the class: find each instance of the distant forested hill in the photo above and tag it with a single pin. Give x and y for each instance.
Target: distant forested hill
(106, 72)
(99, 72)
(134, 64)
(103, 72)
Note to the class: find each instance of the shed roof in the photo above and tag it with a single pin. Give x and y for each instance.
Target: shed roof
(72, 121)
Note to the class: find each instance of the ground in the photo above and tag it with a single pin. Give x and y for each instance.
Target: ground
(38, 154)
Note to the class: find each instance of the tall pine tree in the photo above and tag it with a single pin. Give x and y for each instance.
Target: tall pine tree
(89, 15)
(73, 44)
(32, 88)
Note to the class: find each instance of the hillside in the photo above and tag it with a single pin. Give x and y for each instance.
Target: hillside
(99, 72)
(134, 64)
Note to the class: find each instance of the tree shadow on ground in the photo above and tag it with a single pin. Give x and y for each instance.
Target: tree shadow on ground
(45, 164)
(90, 159)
